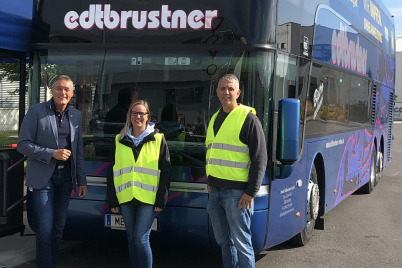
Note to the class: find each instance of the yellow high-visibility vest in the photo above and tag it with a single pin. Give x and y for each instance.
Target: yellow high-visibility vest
(137, 179)
(227, 157)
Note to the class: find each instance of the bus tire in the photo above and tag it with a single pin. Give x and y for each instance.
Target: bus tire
(313, 205)
(379, 166)
(369, 186)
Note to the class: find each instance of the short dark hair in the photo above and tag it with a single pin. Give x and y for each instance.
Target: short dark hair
(230, 77)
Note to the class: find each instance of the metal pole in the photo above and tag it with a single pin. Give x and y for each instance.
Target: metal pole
(4, 158)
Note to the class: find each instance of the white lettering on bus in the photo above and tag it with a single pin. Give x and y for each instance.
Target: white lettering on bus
(333, 143)
(103, 16)
(318, 99)
(286, 212)
(347, 53)
(288, 189)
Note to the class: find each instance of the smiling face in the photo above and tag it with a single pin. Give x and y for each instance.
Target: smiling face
(228, 91)
(139, 117)
(62, 92)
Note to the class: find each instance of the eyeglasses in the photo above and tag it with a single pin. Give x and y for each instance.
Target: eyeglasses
(141, 114)
(60, 89)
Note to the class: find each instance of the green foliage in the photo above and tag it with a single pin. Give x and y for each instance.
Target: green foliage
(50, 71)
(10, 72)
(5, 138)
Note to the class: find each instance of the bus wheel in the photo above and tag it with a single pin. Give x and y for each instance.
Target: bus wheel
(380, 165)
(313, 206)
(369, 186)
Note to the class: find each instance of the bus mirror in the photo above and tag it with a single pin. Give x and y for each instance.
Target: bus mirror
(287, 150)
(283, 171)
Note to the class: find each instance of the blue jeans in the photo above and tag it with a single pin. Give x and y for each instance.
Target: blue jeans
(50, 205)
(231, 227)
(138, 221)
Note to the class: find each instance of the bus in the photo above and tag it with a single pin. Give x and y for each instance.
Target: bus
(320, 75)
(15, 44)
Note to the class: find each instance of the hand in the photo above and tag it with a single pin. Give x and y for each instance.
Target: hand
(209, 189)
(245, 202)
(115, 210)
(158, 209)
(82, 191)
(61, 154)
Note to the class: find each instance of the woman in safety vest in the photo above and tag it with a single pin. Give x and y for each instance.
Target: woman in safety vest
(140, 180)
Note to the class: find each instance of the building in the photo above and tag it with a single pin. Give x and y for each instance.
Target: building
(398, 80)
(9, 99)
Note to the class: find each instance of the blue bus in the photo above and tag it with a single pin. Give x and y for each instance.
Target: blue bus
(320, 76)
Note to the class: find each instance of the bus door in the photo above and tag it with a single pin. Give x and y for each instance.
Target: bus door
(290, 184)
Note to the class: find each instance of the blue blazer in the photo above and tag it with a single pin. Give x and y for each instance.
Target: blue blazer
(38, 139)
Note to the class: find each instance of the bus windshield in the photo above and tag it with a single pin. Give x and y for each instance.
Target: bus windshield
(180, 87)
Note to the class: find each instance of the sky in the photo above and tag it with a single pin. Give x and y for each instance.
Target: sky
(395, 8)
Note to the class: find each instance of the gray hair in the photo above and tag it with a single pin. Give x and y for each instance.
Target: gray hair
(230, 77)
(62, 77)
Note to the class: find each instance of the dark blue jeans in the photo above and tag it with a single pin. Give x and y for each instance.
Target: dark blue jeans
(50, 205)
(231, 227)
(138, 221)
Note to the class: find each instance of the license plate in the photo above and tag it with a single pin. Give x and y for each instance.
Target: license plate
(116, 221)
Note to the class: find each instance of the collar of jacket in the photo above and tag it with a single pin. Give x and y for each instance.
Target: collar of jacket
(127, 141)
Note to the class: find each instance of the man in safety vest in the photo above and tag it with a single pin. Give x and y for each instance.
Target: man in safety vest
(235, 165)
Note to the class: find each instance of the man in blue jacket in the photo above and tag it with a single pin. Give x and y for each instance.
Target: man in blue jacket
(51, 138)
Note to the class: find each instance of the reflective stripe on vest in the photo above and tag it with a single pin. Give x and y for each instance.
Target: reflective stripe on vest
(228, 147)
(137, 170)
(137, 184)
(137, 179)
(227, 157)
(228, 163)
